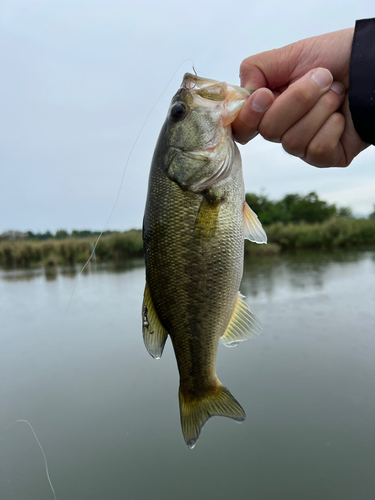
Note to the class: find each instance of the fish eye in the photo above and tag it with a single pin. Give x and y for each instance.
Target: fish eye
(178, 111)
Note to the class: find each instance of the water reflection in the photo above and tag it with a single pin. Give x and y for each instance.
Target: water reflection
(107, 413)
(301, 270)
(20, 274)
(52, 272)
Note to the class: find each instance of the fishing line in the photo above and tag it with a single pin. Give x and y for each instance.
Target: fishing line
(91, 256)
(121, 184)
(41, 449)
(93, 253)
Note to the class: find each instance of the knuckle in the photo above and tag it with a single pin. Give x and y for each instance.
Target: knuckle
(330, 101)
(321, 151)
(293, 144)
(244, 67)
(267, 131)
(303, 97)
(244, 139)
(247, 63)
(319, 148)
(337, 121)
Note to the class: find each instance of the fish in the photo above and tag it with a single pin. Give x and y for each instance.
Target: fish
(195, 222)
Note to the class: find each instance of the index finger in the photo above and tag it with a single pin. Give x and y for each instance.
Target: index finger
(272, 69)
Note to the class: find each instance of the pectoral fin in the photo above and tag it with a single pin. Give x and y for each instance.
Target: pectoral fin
(154, 334)
(253, 229)
(242, 326)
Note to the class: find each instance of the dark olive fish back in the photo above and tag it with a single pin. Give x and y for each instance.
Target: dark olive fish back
(194, 226)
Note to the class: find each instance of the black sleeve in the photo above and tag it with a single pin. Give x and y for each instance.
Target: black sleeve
(362, 80)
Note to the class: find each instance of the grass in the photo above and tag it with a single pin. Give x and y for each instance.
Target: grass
(118, 247)
(334, 233)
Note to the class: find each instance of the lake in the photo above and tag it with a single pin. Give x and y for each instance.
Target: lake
(107, 415)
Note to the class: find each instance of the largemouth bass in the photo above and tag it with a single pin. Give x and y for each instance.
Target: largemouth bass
(195, 222)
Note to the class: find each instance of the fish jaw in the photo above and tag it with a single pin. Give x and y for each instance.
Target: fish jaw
(230, 98)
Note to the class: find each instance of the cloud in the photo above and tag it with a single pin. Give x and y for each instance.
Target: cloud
(80, 77)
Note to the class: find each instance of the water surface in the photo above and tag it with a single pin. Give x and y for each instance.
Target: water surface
(107, 413)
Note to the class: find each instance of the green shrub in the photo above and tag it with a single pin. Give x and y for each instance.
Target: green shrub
(118, 247)
(335, 232)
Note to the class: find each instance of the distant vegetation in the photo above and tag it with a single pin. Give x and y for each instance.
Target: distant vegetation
(62, 234)
(69, 250)
(294, 208)
(298, 221)
(293, 222)
(333, 233)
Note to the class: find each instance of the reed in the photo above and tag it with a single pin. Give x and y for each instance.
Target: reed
(118, 247)
(333, 233)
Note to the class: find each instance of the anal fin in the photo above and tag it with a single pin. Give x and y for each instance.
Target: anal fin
(154, 334)
(253, 229)
(242, 326)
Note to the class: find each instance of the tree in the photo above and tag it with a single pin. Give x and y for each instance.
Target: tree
(61, 234)
(344, 212)
(294, 208)
(268, 211)
(308, 208)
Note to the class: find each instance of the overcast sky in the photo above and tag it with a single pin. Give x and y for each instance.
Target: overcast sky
(78, 79)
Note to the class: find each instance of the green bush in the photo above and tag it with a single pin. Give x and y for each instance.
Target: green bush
(118, 247)
(335, 232)
(294, 208)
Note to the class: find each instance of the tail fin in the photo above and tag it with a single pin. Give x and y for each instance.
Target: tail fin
(196, 412)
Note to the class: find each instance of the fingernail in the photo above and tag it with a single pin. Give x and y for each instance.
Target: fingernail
(338, 88)
(261, 101)
(322, 77)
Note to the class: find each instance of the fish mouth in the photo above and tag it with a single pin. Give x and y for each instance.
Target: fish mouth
(229, 98)
(213, 89)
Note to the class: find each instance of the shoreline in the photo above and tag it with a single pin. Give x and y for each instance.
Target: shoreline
(120, 247)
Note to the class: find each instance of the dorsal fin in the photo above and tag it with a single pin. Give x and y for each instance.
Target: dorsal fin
(242, 326)
(154, 334)
(253, 229)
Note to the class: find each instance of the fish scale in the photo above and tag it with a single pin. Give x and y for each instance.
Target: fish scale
(193, 236)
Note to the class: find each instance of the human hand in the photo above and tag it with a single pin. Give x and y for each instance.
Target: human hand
(302, 100)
